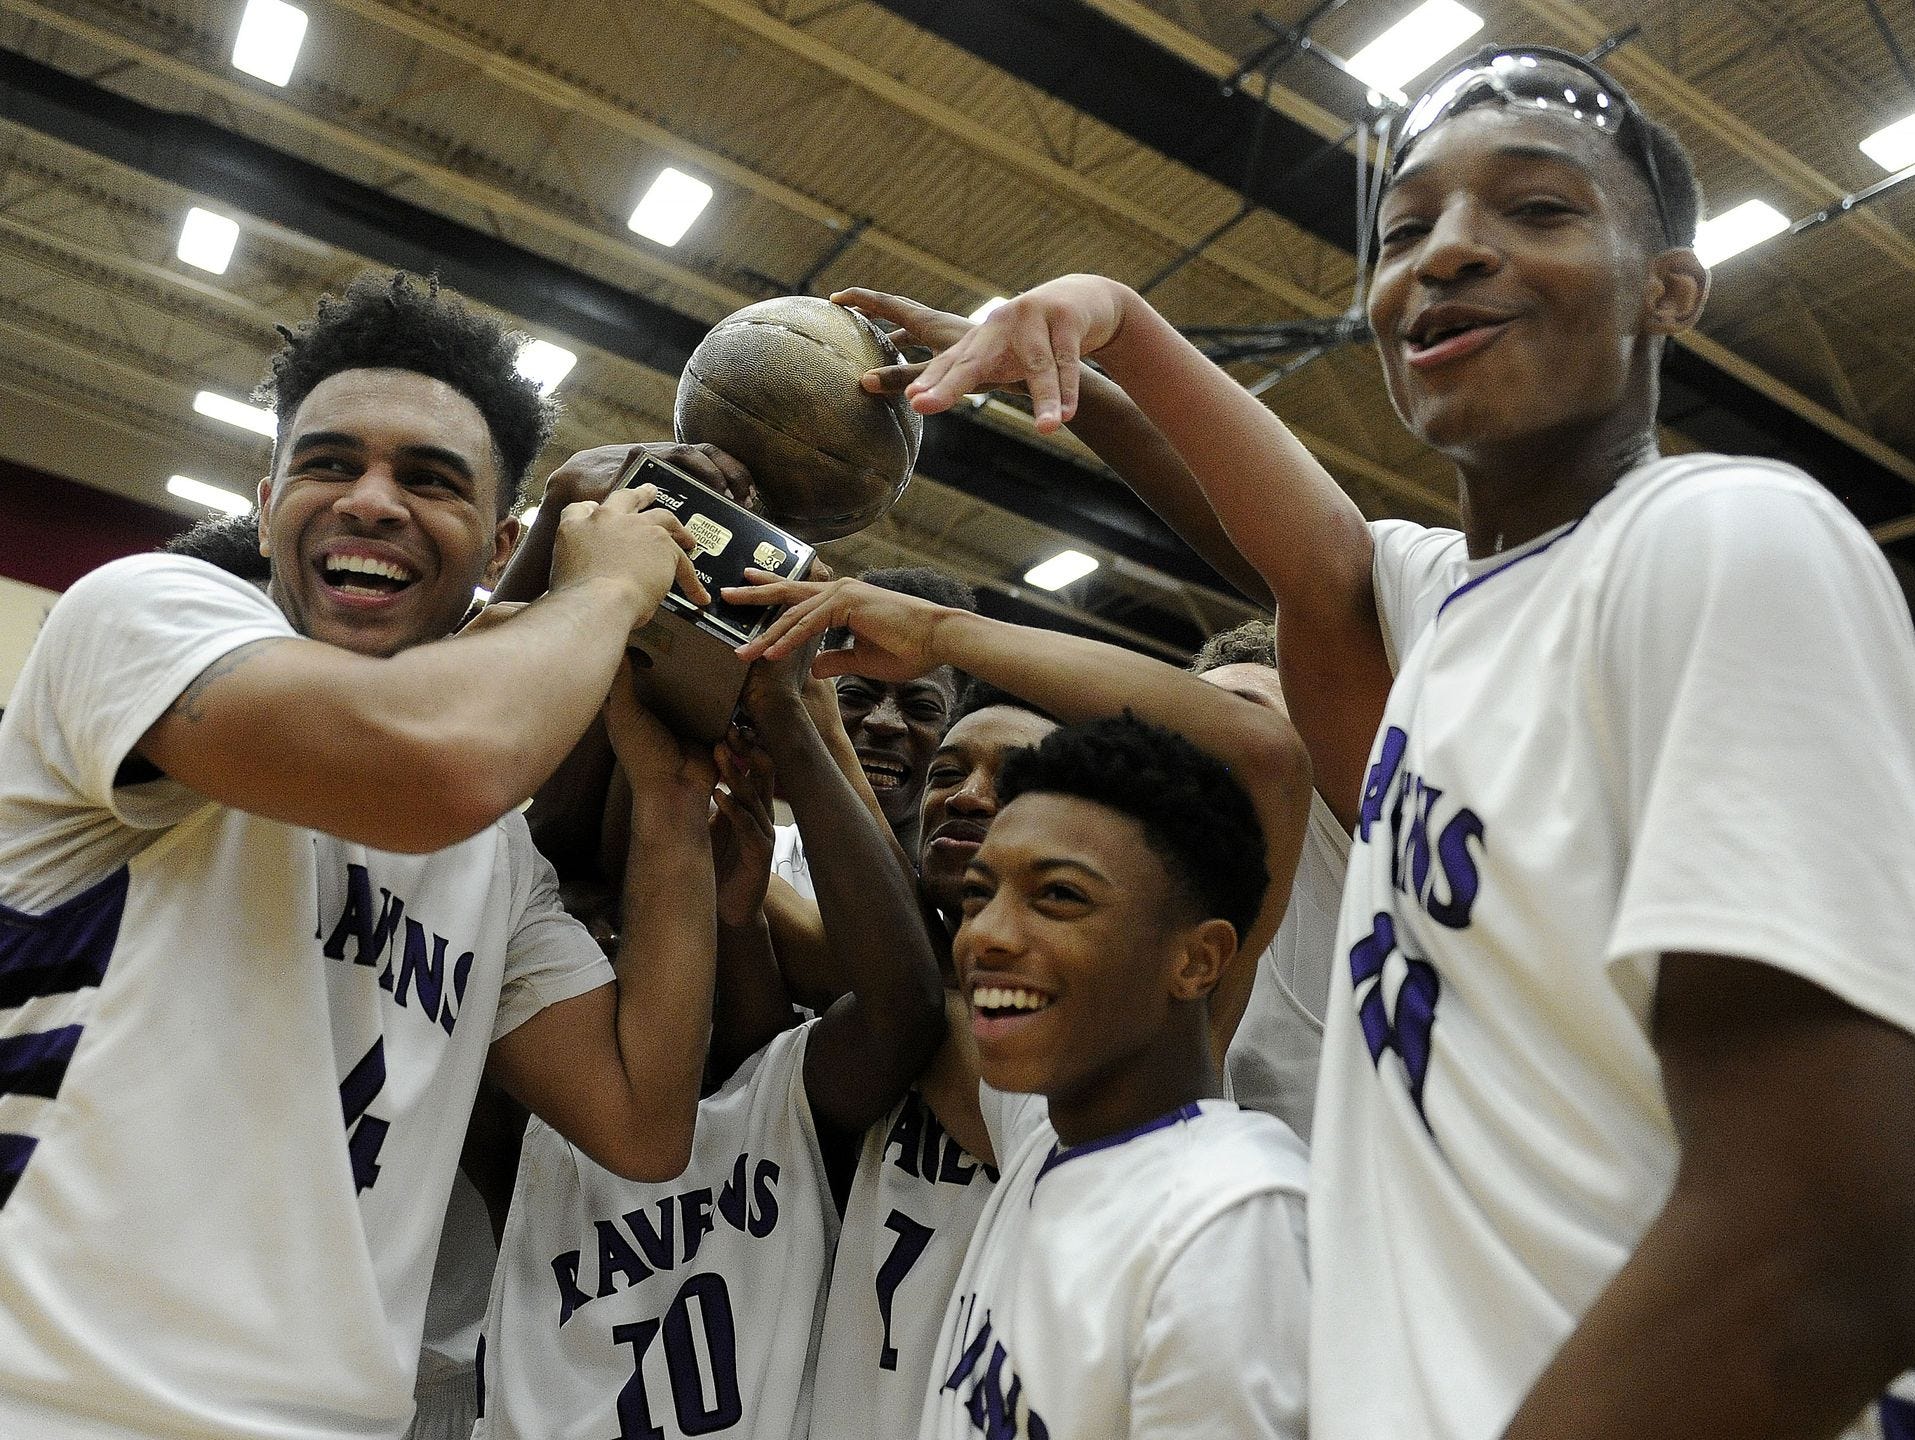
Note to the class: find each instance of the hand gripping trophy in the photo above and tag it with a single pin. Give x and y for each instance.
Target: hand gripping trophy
(776, 386)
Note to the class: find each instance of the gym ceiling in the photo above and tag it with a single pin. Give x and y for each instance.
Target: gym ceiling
(953, 150)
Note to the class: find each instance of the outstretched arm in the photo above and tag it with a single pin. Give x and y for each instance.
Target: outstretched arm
(876, 1038)
(617, 1071)
(422, 749)
(1774, 1296)
(1281, 511)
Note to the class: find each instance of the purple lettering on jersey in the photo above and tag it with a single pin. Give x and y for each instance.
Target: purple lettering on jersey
(697, 1416)
(64, 950)
(365, 1134)
(1377, 783)
(1407, 1032)
(370, 936)
(764, 1192)
(656, 1243)
(571, 1298)
(36, 1063)
(615, 1257)
(694, 1219)
(731, 1199)
(426, 978)
(420, 952)
(1898, 1418)
(15, 1151)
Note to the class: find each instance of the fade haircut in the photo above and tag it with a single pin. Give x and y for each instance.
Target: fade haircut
(1252, 643)
(1196, 818)
(228, 541)
(385, 322)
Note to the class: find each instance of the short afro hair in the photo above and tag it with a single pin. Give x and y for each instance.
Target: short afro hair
(385, 322)
(920, 581)
(1194, 814)
(228, 541)
(1252, 643)
(1681, 190)
(979, 695)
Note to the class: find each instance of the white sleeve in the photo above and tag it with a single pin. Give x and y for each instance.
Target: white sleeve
(1226, 1337)
(1413, 570)
(1754, 686)
(550, 957)
(119, 647)
(1011, 1118)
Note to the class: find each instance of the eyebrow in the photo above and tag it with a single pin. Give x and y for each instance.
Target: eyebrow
(1062, 862)
(344, 439)
(1515, 150)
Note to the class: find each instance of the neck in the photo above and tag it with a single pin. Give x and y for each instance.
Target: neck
(1513, 492)
(1174, 1071)
(907, 830)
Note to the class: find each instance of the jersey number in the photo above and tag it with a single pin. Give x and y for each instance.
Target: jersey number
(911, 1243)
(695, 1417)
(1407, 1031)
(364, 1133)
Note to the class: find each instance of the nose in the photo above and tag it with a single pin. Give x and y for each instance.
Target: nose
(990, 937)
(1458, 247)
(375, 498)
(885, 718)
(976, 797)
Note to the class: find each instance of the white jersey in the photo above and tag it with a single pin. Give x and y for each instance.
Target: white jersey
(914, 1204)
(1153, 1283)
(1679, 725)
(446, 1393)
(789, 861)
(243, 1050)
(1274, 1056)
(667, 1310)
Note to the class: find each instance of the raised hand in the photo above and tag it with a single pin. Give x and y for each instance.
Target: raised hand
(741, 828)
(909, 323)
(594, 474)
(655, 761)
(891, 633)
(621, 539)
(1036, 339)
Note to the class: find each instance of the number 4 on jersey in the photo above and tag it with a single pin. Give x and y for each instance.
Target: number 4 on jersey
(365, 1134)
(1407, 1031)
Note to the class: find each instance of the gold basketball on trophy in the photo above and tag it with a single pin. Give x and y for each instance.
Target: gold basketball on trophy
(776, 385)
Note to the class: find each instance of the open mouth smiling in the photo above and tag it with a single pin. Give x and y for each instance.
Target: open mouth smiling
(1449, 332)
(884, 772)
(365, 577)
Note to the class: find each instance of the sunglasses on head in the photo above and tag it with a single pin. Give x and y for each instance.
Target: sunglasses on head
(1539, 78)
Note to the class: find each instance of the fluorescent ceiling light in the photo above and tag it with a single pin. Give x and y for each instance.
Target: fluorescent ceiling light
(235, 412)
(670, 206)
(1734, 231)
(983, 312)
(207, 240)
(1893, 146)
(1062, 568)
(1413, 45)
(270, 33)
(545, 364)
(211, 496)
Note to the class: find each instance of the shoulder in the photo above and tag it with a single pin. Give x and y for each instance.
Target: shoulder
(145, 580)
(1724, 500)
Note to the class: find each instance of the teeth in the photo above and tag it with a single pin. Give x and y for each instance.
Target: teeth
(366, 565)
(1000, 997)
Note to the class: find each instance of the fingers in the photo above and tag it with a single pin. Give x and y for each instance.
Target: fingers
(712, 468)
(833, 663)
(767, 589)
(879, 305)
(892, 379)
(689, 585)
(804, 620)
(1064, 355)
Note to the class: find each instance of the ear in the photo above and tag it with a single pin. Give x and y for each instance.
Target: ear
(264, 504)
(1208, 948)
(505, 539)
(1679, 287)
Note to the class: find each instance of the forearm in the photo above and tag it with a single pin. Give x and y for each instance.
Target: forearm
(1123, 437)
(665, 966)
(530, 569)
(749, 1005)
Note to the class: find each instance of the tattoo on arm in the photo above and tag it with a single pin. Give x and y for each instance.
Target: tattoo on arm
(190, 704)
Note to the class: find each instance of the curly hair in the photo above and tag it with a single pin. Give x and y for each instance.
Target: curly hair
(228, 541)
(385, 322)
(1194, 814)
(1252, 643)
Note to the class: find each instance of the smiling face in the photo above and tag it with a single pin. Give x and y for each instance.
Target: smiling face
(895, 728)
(1515, 290)
(382, 512)
(960, 795)
(1075, 946)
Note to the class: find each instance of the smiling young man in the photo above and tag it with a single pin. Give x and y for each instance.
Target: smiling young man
(1140, 1268)
(1619, 1080)
(267, 909)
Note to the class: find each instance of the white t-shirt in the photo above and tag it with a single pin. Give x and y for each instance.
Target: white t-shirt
(1681, 724)
(789, 861)
(679, 1309)
(1153, 1283)
(238, 1055)
(1274, 1056)
(914, 1204)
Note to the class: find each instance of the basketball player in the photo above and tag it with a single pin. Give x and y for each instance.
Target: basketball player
(690, 1307)
(917, 1193)
(1618, 1091)
(1140, 1269)
(261, 867)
